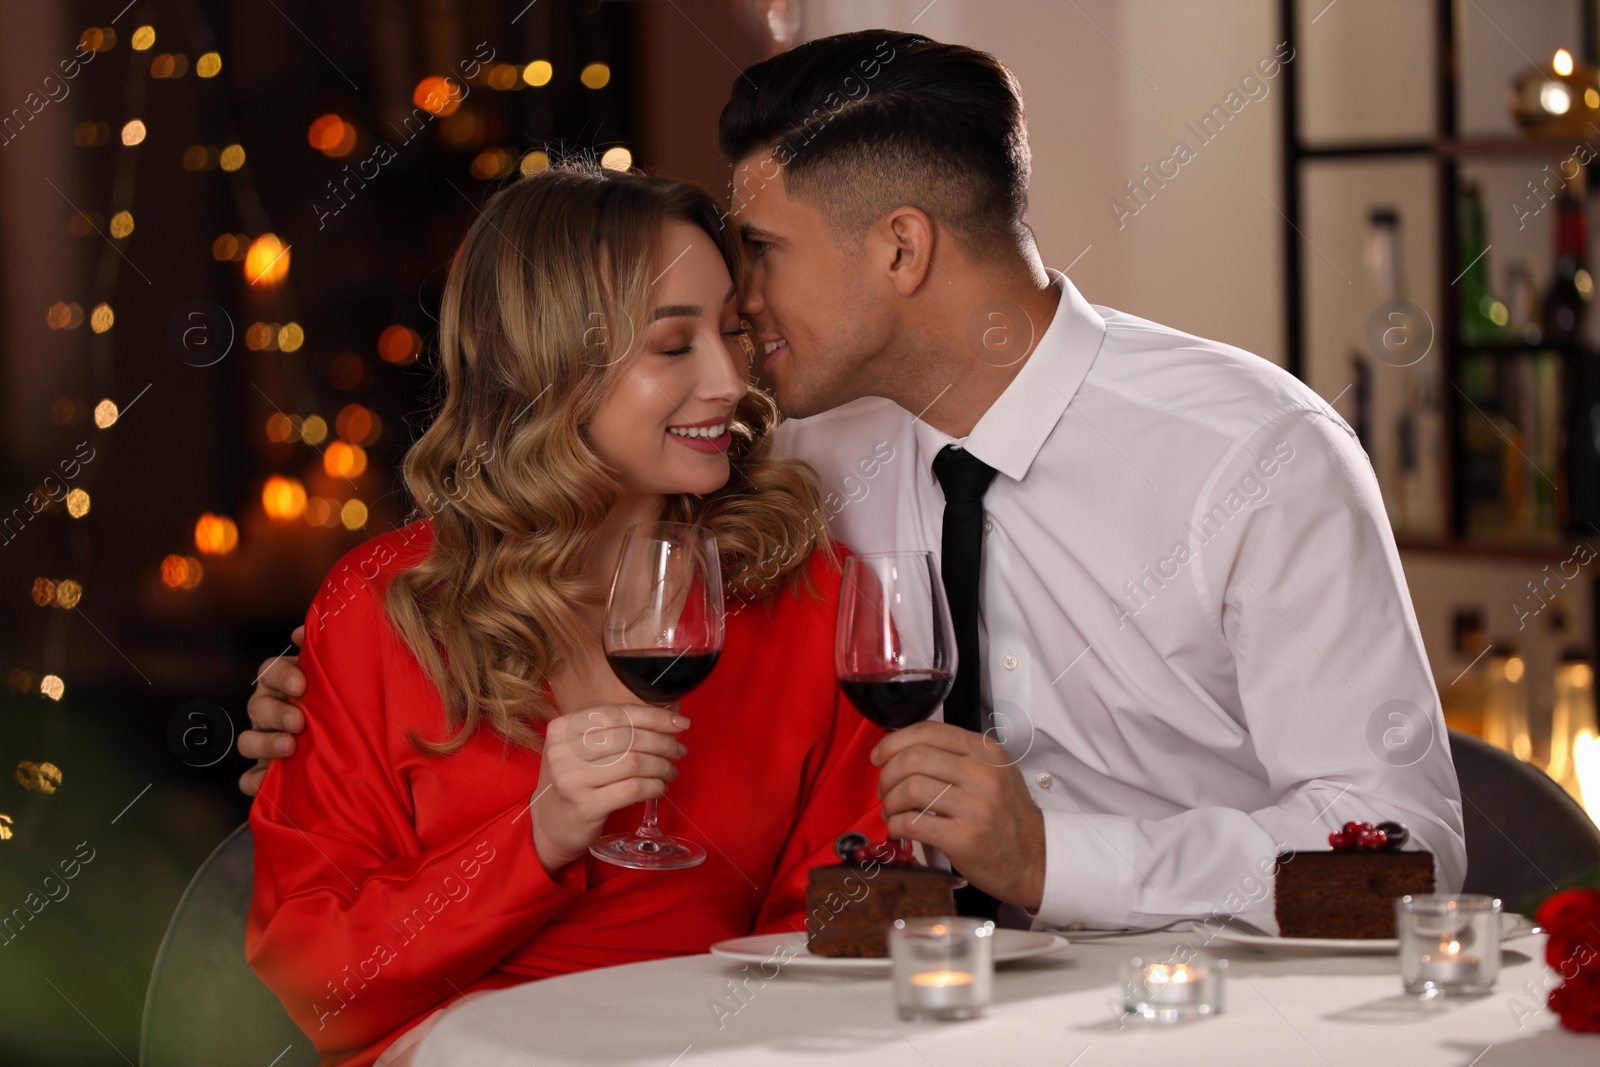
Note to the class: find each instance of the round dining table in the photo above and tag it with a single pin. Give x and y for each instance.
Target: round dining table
(1061, 1009)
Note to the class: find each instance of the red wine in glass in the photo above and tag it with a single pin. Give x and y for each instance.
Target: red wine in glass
(894, 646)
(663, 635)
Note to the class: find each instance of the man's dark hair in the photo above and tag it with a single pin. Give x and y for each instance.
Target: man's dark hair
(865, 122)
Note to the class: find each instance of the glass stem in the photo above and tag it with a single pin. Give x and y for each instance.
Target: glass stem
(648, 829)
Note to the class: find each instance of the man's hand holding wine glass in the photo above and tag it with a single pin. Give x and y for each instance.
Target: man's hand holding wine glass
(961, 793)
(597, 761)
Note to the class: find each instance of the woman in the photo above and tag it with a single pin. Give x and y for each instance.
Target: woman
(465, 740)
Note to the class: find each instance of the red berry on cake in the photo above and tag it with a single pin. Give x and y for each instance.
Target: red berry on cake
(1373, 840)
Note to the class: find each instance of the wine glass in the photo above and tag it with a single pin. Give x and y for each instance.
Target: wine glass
(663, 634)
(894, 647)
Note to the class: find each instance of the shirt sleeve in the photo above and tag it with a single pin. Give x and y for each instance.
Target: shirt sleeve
(356, 926)
(1335, 694)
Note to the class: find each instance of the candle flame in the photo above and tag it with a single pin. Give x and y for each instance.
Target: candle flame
(941, 979)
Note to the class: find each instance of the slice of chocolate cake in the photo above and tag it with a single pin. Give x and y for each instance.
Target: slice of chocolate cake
(1349, 891)
(850, 906)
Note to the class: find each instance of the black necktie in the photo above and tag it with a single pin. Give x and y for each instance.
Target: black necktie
(964, 479)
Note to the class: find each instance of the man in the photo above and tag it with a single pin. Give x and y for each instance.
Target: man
(1185, 639)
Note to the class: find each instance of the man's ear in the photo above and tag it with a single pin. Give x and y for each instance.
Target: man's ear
(908, 234)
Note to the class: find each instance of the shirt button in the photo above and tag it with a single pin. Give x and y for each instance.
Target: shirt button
(988, 527)
(1010, 662)
(1044, 779)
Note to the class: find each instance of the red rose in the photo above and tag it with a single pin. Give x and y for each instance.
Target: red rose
(1577, 1003)
(1572, 920)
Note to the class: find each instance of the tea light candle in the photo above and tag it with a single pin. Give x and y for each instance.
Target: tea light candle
(1449, 965)
(943, 967)
(1170, 992)
(1448, 945)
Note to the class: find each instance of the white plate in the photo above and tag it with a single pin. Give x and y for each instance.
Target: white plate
(790, 950)
(1512, 926)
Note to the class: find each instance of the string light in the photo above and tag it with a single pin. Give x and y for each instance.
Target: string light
(618, 158)
(133, 132)
(77, 503)
(538, 73)
(208, 65)
(595, 76)
(52, 687)
(143, 38)
(105, 414)
(101, 318)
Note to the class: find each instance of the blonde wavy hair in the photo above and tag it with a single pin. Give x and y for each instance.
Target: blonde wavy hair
(536, 323)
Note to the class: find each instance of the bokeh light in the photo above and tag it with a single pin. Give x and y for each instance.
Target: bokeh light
(68, 593)
(399, 344)
(344, 460)
(332, 136)
(314, 430)
(267, 261)
(353, 514)
(215, 535)
(283, 499)
(439, 96)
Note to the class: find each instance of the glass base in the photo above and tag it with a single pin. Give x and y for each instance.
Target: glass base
(916, 1014)
(648, 853)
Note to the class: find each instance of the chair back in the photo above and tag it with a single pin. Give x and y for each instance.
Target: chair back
(205, 1007)
(1524, 833)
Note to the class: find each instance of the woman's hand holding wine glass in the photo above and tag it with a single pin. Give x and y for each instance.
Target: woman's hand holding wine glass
(597, 761)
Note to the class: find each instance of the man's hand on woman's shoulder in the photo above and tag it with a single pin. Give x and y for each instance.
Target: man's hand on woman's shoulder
(274, 718)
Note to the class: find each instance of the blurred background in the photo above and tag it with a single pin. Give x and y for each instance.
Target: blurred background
(223, 235)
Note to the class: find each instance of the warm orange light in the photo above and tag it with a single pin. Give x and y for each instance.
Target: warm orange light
(267, 261)
(215, 535)
(332, 136)
(439, 95)
(358, 425)
(283, 499)
(399, 344)
(344, 460)
(181, 572)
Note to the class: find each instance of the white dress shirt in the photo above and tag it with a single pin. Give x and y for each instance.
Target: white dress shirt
(1198, 644)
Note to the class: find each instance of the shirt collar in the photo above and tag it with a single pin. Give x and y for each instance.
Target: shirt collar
(1016, 426)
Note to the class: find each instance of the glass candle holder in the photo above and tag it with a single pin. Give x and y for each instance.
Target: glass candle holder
(1173, 992)
(1449, 946)
(943, 967)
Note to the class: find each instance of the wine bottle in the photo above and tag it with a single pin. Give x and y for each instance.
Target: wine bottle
(1483, 318)
(1566, 304)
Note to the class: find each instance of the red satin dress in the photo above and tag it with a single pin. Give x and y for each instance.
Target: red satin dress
(389, 883)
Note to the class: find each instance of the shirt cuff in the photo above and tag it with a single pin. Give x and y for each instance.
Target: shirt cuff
(1088, 878)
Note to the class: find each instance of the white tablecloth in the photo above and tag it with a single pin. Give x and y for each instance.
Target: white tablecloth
(1055, 1010)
